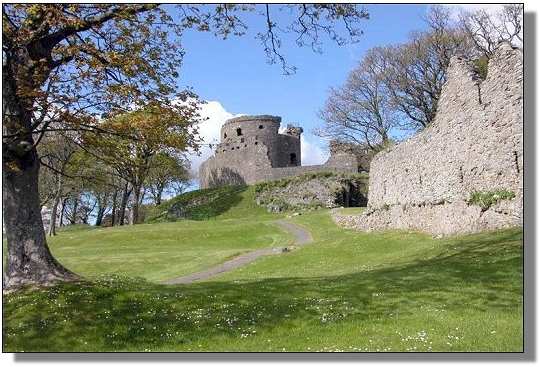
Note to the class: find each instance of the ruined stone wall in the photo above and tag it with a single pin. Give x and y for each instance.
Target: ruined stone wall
(313, 190)
(235, 169)
(474, 144)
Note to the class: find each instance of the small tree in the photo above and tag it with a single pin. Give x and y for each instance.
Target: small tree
(166, 173)
(151, 130)
(56, 155)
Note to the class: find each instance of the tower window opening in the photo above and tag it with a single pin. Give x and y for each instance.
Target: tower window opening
(293, 159)
(225, 135)
(238, 131)
(260, 126)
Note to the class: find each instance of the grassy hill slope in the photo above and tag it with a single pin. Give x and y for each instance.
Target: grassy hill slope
(347, 291)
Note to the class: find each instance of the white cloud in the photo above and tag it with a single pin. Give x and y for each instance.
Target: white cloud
(489, 8)
(456, 9)
(311, 153)
(209, 131)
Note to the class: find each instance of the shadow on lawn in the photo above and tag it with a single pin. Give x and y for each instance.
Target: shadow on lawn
(197, 205)
(122, 314)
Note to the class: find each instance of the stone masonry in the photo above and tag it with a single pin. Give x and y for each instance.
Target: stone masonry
(252, 150)
(475, 143)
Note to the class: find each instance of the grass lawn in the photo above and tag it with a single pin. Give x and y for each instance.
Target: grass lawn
(163, 250)
(346, 291)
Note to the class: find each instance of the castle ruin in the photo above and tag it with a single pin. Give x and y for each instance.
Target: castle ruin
(474, 144)
(252, 150)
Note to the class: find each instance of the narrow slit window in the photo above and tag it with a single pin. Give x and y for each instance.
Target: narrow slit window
(238, 131)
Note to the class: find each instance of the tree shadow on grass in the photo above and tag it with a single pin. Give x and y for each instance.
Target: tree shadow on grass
(198, 205)
(477, 274)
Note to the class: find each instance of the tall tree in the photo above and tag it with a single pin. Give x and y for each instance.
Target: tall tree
(416, 71)
(56, 154)
(395, 86)
(67, 63)
(166, 173)
(360, 111)
(488, 29)
(151, 130)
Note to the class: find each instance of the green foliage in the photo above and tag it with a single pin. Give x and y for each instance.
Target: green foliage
(481, 66)
(486, 199)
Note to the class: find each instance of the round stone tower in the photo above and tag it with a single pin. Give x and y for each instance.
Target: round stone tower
(263, 128)
(245, 131)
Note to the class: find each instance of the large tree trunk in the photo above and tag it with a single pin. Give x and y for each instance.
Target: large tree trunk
(29, 260)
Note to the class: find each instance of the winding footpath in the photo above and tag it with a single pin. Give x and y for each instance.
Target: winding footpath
(301, 237)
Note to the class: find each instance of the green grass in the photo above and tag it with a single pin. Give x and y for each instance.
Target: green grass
(164, 250)
(216, 203)
(350, 211)
(346, 291)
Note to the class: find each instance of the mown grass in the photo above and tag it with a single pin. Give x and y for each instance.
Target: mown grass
(350, 211)
(346, 291)
(215, 203)
(164, 250)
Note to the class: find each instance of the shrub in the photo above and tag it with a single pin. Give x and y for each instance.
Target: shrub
(481, 67)
(485, 199)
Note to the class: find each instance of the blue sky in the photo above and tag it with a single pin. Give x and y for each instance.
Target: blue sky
(234, 72)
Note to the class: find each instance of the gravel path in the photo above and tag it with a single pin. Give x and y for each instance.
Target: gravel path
(302, 237)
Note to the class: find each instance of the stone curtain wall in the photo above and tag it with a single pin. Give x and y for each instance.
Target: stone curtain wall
(474, 144)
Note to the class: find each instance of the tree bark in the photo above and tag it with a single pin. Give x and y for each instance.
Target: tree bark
(123, 205)
(113, 214)
(136, 204)
(73, 219)
(101, 207)
(61, 222)
(159, 194)
(29, 260)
